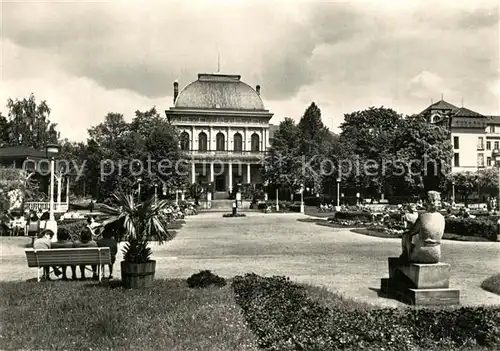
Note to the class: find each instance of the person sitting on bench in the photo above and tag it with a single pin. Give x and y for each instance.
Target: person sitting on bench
(44, 242)
(108, 240)
(64, 241)
(86, 241)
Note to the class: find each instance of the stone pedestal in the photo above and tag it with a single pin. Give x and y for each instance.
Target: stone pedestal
(420, 284)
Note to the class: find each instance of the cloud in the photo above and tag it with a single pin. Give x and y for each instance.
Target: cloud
(344, 56)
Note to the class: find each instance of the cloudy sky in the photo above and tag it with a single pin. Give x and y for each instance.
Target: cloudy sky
(87, 59)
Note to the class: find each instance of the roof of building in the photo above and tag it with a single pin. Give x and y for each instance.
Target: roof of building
(20, 152)
(441, 105)
(465, 112)
(219, 91)
(493, 119)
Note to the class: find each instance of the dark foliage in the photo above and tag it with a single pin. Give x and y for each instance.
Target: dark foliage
(482, 227)
(205, 279)
(137, 252)
(283, 317)
(234, 215)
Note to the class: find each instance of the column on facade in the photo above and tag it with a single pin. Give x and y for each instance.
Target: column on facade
(210, 137)
(264, 139)
(212, 172)
(228, 139)
(267, 138)
(192, 138)
(249, 180)
(193, 172)
(230, 177)
(67, 191)
(245, 139)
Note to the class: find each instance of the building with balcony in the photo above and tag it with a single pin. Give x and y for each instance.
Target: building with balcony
(473, 136)
(224, 129)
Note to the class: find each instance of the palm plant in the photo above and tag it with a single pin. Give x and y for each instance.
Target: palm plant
(139, 223)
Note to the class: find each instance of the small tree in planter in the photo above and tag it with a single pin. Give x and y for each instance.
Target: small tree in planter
(139, 223)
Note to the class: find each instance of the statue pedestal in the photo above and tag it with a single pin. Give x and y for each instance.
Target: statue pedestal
(419, 284)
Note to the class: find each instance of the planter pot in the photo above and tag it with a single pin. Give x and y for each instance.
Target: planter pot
(138, 275)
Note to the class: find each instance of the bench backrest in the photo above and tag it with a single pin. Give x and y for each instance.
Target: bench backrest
(67, 257)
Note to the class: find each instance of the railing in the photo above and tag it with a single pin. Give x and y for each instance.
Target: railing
(226, 155)
(44, 206)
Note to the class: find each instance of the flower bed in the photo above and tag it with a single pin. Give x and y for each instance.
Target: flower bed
(284, 317)
(234, 215)
(482, 227)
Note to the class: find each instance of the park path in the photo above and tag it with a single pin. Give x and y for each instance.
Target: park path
(342, 261)
(278, 244)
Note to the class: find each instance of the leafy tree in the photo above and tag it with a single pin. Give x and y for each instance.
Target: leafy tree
(465, 183)
(488, 181)
(4, 130)
(29, 123)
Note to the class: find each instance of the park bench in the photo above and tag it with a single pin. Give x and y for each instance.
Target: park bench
(68, 257)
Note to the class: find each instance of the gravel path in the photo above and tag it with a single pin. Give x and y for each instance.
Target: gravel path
(278, 244)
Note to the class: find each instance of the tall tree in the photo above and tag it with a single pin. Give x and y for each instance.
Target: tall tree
(4, 130)
(29, 123)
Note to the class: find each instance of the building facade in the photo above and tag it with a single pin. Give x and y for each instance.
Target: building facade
(224, 130)
(473, 136)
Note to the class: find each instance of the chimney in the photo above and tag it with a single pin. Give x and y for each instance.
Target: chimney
(176, 90)
(257, 89)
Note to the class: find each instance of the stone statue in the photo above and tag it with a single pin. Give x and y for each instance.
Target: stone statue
(422, 243)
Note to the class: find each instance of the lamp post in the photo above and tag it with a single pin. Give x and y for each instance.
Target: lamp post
(338, 191)
(302, 198)
(51, 151)
(139, 180)
(357, 199)
(453, 194)
(496, 156)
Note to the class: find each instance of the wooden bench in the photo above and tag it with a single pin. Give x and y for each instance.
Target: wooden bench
(68, 257)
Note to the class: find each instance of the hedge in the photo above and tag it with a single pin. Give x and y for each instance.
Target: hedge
(354, 215)
(284, 317)
(482, 227)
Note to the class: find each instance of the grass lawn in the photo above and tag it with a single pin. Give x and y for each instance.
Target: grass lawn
(492, 284)
(87, 316)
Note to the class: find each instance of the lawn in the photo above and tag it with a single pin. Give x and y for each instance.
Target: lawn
(89, 316)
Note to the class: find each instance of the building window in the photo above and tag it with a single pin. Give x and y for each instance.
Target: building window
(456, 159)
(255, 142)
(456, 144)
(496, 145)
(202, 141)
(220, 140)
(488, 161)
(492, 129)
(184, 139)
(480, 160)
(238, 142)
(480, 143)
(488, 145)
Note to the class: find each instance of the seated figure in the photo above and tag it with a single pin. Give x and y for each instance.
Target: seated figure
(422, 243)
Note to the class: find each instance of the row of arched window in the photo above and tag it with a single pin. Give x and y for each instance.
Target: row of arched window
(220, 142)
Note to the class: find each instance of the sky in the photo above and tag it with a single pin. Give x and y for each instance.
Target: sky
(90, 58)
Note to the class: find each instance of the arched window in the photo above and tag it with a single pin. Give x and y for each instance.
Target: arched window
(238, 142)
(220, 142)
(184, 139)
(202, 141)
(255, 142)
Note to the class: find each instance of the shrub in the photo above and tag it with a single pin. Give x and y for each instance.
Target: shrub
(74, 228)
(354, 215)
(482, 227)
(284, 317)
(492, 284)
(234, 215)
(205, 279)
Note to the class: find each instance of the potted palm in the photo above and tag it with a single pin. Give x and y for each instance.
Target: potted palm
(138, 224)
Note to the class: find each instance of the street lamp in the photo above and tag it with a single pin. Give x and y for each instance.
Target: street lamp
(139, 180)
(52, 150)
(453, 194)
(496, 156)
(338, 191)
(302, 198)
(357, 199)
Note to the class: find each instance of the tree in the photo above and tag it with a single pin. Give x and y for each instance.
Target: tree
(465, 183)
(4, 130)
(488, 181)
(29, 123)
(367, 143)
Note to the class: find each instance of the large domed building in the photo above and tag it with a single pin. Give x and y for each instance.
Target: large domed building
(224, 129)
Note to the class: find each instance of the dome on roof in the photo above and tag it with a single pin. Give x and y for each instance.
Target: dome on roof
(219, 91)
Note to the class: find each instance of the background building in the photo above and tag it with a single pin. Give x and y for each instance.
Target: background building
(474, 136)
(224, 130)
